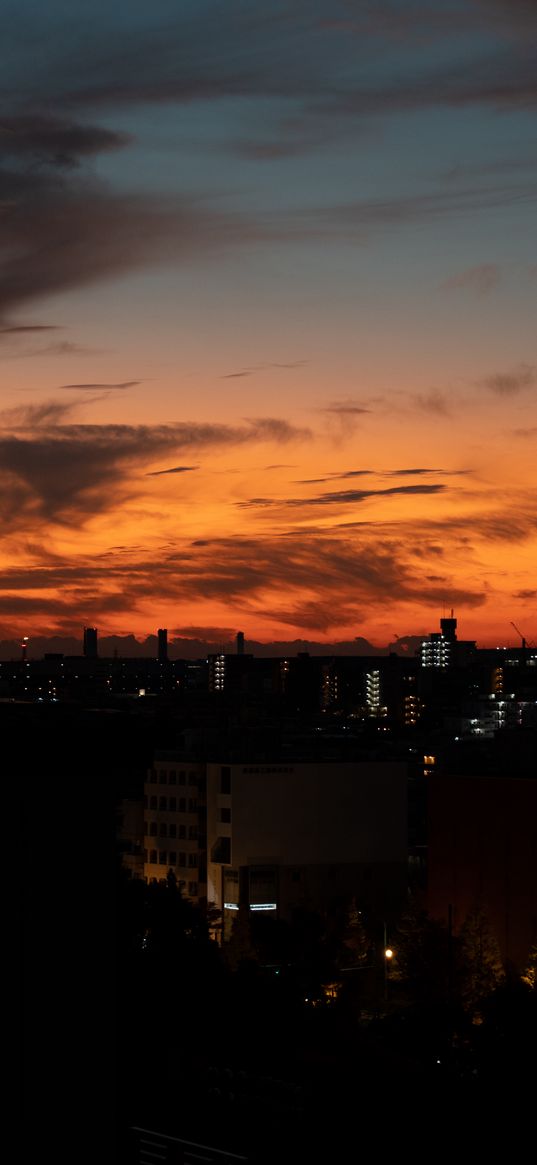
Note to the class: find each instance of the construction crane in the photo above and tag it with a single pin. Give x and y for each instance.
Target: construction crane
(518, 631)
(523, 637)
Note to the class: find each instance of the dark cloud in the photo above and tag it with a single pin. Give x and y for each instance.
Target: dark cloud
(509, 383)
(20, 329)
(48, 412)
(174, 469)
(525, 594)
(426, 472)
(335, 476)
(224, 634)
(341, 497)
(280, 466)
(210, 52)
(62, 231)
(481, 279)
(358, 220)
(64, 228)
(70, 471)
(262, 368)
(345, 409)
(434, 402)
(92, 387)
(526, 433)
(55, 140)
(62, 348)
(326, 581)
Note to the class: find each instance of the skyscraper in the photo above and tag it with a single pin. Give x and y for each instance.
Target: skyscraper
(90, 642)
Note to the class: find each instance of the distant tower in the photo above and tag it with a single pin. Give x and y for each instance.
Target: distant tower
(240, 643)
(163, 644)
(449, 628)
(90, 642)
(24, 648)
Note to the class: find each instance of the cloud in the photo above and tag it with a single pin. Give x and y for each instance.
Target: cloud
(341, 497)
(314, 583)
(174, 469)
(68, 229)
(97, 461)
(335, 476)
(256, 368)
(434, 402)
(46, 413)
(531, 594)
(93, 387)
(345, 409)
(206, 634)
(481, 279)
(20, 329)
(526, 433)
(425, 472)
(62, 348)
(510, 383)
(55, 140)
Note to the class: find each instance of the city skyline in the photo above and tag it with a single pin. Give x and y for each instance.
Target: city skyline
(267, 316)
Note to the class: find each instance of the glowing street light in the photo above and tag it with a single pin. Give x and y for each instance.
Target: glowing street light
(388, 956)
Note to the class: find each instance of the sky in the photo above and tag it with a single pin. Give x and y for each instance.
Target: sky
(268, 286)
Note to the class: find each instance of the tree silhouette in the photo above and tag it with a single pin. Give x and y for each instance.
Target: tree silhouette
(421, 946)
(356, 943)
(240, 948)
(530, 974)
(481, 967)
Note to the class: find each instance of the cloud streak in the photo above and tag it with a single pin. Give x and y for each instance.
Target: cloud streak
(341, 497)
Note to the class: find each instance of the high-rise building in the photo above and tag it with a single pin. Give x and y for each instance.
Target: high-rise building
(285, 833)
(90, 642)
(174, 823)
(163, 644)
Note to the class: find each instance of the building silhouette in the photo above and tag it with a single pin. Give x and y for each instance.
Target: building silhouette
(90, 642)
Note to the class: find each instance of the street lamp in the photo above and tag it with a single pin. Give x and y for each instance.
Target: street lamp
(388, 956)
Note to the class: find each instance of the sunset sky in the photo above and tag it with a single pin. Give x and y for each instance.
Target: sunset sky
(268, 284)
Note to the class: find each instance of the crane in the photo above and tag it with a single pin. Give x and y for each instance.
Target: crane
(523, 638)
(518, 631)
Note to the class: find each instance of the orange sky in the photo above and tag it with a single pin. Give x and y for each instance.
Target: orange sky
(267, 364)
